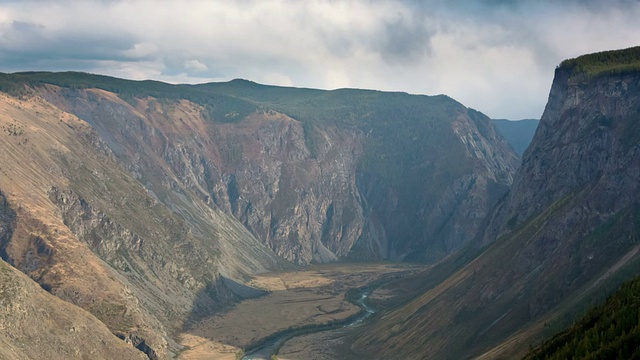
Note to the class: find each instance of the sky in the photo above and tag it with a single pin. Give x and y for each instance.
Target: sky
(495, 56)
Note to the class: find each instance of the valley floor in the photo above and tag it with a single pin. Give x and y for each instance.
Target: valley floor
(311, 296)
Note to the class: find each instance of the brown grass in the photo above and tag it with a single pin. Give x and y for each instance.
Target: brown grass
(200, 348)
(315, 295)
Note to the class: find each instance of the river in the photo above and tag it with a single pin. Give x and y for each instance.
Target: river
(271, 347)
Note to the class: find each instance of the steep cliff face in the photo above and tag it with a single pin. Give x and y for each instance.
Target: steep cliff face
(88, 232)
(587, 140)
(566, 232)
(315, 175)
(140, 211)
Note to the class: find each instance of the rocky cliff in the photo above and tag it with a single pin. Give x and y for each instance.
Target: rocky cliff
(87, 231)
(565, 234)
(141, 201)
(315, 175)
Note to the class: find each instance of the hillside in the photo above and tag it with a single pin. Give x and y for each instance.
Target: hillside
(151, 205)
(36, 325)
(315, 175)
(88, 232)
(608, 331)
(518, 133)
(566, 233)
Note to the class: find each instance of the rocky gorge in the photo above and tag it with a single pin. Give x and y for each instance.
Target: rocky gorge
(564, 235)
(148, 207)
(152, 206)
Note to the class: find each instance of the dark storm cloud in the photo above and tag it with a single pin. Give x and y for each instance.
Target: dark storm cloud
(496, 56)
(27, 45)
(405, 40)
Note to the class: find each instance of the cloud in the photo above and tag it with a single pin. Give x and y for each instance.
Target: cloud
(495, 56)
(195, 65)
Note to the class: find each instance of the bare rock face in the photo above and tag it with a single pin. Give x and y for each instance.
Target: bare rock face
(350, 176)
(587, 140)
(82, 227)
(566, 233)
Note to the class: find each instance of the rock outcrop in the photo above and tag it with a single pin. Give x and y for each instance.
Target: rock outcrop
(315, 175)
(565, 234)
(88, 232)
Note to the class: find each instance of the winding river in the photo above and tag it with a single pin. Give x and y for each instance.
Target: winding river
(265, 351)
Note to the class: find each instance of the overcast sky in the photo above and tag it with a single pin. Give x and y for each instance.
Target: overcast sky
(495, 56)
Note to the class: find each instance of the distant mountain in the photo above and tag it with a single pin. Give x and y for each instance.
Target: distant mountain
(149, 205)
(518, 133)
(567, 233)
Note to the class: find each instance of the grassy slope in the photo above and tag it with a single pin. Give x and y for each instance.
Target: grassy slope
(37, 325)
(604, 63)
(609, 331)
(480, 305)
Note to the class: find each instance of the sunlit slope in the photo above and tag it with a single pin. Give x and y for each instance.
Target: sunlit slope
(316, 175)
(37, 325)
(90, 233)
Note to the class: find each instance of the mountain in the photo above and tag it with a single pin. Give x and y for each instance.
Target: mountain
(315, 175)
(518, 133)
(608, 331)
(79, 224)
(566, 233)
(36, 324)
(151, 205)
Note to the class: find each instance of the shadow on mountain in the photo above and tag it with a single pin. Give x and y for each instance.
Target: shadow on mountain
(219, 296)
(7, 217)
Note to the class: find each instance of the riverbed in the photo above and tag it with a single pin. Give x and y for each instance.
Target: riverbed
(266, 351)
(302, 299)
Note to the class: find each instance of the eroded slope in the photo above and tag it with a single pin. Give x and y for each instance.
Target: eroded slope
(567, 231)
(316, 175)
(91, 234)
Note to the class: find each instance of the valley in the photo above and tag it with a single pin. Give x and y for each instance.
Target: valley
(207, 221)
(304, 298)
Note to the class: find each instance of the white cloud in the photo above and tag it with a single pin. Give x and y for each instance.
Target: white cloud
(497, 57)
(195, 65)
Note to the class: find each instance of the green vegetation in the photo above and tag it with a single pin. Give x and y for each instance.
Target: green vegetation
(220, 108)
(605, 63)
(410, 124)
(609, 331)
(114, 315)
(14, 85)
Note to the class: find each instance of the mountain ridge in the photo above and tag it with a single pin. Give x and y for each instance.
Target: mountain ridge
(539, 257)
(343, 111)
(125, 187)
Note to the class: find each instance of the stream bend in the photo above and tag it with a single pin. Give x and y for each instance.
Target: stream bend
(271, 347)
